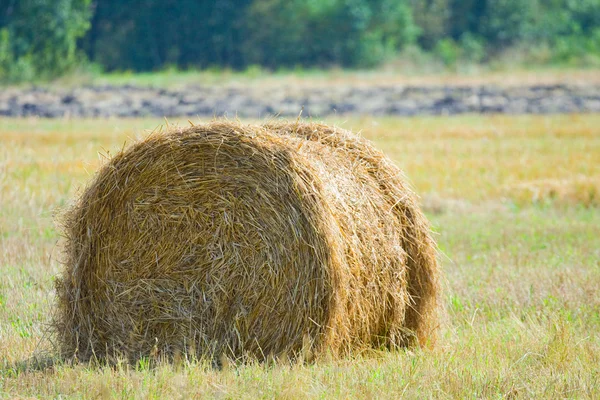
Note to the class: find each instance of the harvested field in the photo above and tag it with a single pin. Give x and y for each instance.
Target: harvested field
(508, 200)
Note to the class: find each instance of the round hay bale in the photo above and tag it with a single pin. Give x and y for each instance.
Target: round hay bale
(243, 240)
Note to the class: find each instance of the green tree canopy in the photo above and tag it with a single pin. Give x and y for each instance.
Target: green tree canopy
(45, 38)
(38, 38)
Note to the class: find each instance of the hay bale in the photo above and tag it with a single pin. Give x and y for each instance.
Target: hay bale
(234, 239)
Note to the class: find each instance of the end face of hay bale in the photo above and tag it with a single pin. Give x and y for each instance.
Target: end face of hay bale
(245, 240)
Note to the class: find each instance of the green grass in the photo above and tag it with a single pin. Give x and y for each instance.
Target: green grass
(404, 71)
(522, 271)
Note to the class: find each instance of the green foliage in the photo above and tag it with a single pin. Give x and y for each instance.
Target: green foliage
(506, 22)
(13, 69)
(448, 51)
(473, 48)
(433, 20)
(273, 35)
(236, 34)
(41, 39)
(578, 48)
(38, 38)
(469, 49)
(571, 28)
(142, 35)
(356, 32)
(395, 22)
(483, 28)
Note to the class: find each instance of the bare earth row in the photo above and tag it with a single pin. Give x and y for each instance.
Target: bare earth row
(289, 100)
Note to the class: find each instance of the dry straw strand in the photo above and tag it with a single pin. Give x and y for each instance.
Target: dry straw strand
(233, 240)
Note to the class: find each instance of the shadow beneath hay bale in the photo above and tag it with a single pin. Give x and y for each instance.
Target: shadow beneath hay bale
(48, 363)
(36, 363)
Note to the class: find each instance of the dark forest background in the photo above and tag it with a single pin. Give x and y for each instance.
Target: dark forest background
(42, 39)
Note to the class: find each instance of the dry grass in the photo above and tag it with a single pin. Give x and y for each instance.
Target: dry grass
(523, 272)
(483, 159)
(236, 240)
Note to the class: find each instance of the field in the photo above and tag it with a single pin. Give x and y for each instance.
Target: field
(514, 201)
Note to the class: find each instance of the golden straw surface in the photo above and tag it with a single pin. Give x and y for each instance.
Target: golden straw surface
(246, 240)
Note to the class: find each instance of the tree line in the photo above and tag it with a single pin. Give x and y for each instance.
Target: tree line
(46, 38)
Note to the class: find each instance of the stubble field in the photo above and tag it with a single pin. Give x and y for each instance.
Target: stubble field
(514, 202)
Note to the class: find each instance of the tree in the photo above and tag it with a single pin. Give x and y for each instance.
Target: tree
(433, 19)
(506, 22)
(144, 35)
(38, 38)
(350, 33)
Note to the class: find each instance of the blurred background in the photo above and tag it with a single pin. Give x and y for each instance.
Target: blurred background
(259, 58)
(45, 39)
